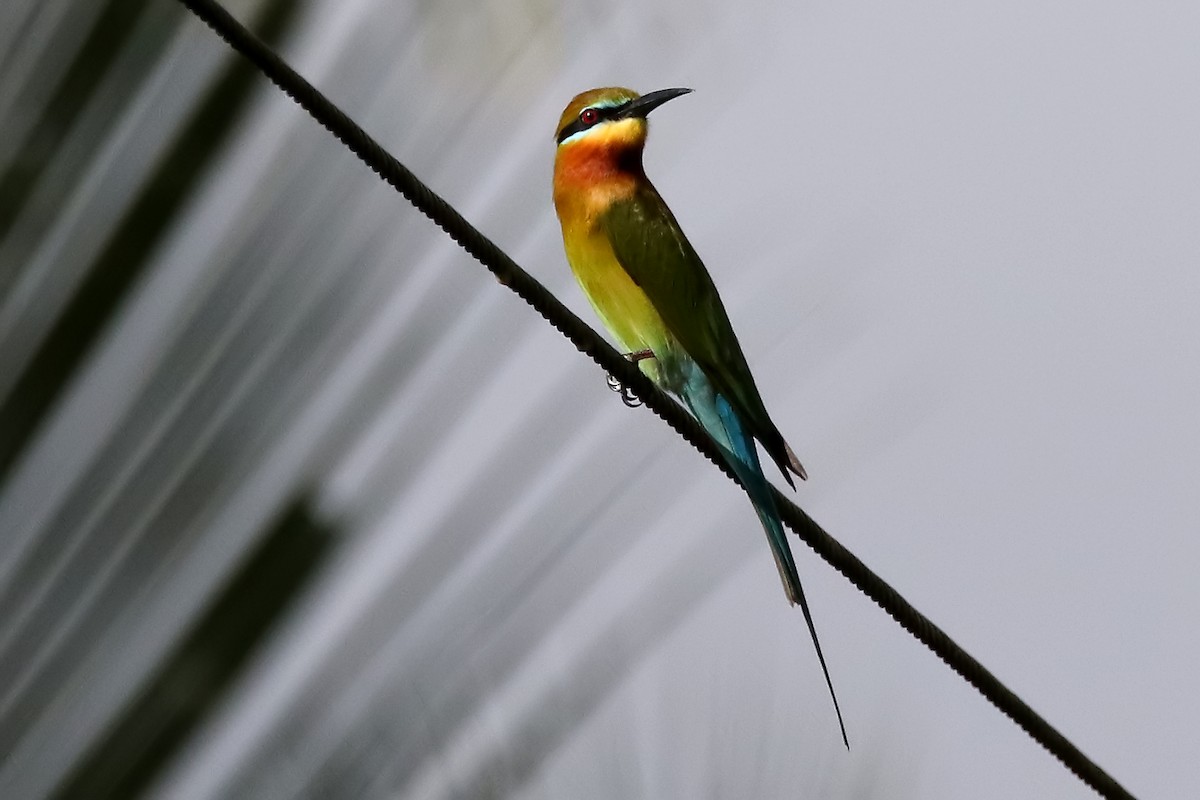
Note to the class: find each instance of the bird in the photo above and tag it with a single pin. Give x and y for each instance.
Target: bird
(652, 292)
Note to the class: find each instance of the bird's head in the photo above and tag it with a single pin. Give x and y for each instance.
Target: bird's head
(613, 117)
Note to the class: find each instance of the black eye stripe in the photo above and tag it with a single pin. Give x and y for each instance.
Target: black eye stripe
(578, 125)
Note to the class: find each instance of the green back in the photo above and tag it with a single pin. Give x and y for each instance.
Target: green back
(652, 249)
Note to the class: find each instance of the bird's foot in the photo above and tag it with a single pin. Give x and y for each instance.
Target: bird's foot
(627, 396)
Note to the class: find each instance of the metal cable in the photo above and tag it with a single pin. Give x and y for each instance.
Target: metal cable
(590, 343)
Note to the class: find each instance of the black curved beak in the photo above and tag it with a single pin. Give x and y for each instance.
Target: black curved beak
(648, 102)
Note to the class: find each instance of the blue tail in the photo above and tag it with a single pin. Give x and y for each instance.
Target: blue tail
(722, 423)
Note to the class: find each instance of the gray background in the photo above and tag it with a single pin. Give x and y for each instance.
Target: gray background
(959, 243)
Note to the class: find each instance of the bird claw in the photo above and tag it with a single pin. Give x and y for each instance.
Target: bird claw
(627, 396)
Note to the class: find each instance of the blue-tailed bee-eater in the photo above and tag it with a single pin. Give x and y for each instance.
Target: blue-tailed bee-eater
(654, 295)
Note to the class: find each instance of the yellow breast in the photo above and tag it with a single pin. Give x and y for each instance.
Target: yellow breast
(619, 302)
(589, 176)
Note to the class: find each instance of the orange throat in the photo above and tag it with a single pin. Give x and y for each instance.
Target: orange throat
(590, 175)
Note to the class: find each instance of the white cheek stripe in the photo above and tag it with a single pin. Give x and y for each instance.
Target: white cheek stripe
(579, 135)
(599, 130)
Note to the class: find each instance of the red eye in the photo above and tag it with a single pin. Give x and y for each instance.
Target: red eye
(589, 116)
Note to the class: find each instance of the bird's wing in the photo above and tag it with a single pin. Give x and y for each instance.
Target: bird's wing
(652, 249)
